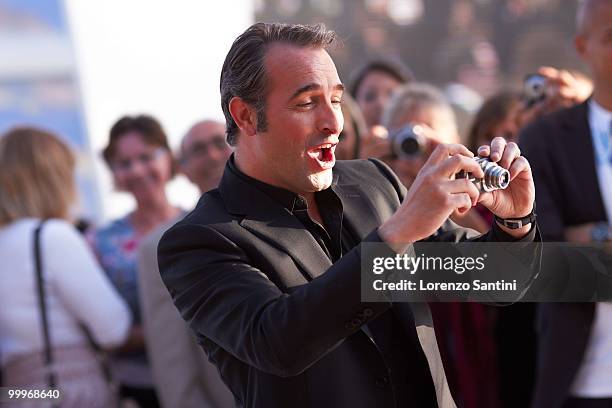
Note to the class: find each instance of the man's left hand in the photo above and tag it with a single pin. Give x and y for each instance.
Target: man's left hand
(516, 201)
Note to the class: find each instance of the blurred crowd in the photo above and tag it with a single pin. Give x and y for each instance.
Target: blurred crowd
(484, 45)
(93, 301)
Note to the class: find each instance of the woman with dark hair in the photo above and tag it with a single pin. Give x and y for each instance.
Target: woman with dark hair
(139, 158)
(498, 116)
(54, 298)
(372, 85)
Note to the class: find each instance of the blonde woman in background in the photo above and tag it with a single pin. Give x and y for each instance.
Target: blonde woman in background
(37, 189)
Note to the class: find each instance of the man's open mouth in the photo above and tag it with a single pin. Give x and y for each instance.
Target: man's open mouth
(323, 153)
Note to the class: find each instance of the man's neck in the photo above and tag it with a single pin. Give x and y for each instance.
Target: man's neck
(245, 165)
(242, 165)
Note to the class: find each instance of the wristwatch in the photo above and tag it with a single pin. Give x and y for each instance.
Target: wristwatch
(516, 223)
(601, 232)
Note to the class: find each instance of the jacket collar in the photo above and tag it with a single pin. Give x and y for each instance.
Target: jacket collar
(272, 222)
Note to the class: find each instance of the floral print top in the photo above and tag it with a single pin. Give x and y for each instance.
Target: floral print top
(116, 246)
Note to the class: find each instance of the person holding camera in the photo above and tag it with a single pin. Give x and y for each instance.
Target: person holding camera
(266, 269)
(419, 119)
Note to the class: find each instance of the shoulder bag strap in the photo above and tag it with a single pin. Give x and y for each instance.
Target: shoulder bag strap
(48, 355)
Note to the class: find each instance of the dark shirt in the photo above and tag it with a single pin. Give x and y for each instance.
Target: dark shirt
(334, 238)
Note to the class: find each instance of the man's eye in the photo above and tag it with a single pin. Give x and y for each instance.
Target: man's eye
(305, 104)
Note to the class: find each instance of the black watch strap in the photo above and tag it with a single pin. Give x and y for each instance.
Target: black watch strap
(516, 223)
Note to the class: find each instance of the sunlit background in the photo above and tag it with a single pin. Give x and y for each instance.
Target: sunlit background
(75, 67)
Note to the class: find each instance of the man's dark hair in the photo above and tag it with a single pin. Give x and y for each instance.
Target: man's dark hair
(243, 73)
(392, 68)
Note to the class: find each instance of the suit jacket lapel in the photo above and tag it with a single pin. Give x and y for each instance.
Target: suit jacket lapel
(356, 209)
(273, 223)
(287, 234)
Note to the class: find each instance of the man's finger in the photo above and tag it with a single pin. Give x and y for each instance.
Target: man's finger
(457, 163)
(461, 202)
(518, 166)
(565, 77)
(484, 151)
(549, 72)
(443, 151)
(511, 152)
(498, 144)
(431, 145)
(463, 186)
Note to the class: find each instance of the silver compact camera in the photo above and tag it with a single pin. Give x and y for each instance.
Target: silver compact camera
(408, 142)
(495, 176)
(534, 89)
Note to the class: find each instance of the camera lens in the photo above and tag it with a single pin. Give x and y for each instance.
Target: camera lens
(534, 88)
(495, 176)
(408, 142)
(410, 146)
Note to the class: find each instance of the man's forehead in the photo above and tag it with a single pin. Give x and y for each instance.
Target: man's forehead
(296, 67)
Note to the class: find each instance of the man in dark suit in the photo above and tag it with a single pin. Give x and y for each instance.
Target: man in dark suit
(266, 269)
(573, 176)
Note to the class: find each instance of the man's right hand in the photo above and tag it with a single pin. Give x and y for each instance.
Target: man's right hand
(433, 197)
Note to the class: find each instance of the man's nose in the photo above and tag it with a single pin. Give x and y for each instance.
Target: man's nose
(330, 119)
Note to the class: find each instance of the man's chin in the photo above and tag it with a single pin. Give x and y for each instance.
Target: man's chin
(321, 180)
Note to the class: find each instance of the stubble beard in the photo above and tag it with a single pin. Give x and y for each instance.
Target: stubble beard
(321, 181)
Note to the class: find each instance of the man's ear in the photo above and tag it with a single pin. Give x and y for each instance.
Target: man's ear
(244, 115)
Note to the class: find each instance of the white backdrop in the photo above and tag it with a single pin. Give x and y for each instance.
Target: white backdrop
(158, 57)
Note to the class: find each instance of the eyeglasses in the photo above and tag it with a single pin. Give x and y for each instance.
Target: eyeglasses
(125, 165)
(201, 148)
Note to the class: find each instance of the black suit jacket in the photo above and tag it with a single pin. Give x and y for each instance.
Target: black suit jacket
(282, 323)
(560, 150)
